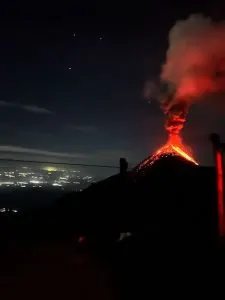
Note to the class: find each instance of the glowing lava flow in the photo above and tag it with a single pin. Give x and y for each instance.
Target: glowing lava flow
(184, 154)
(174, 147)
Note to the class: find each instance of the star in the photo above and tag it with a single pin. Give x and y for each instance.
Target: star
(100, 38)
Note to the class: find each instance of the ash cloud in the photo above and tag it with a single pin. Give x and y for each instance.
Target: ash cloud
(194, 69)
(195, 63)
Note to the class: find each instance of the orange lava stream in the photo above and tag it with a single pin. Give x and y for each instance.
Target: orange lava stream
(173, 149)
(184, 154)
(174, 146)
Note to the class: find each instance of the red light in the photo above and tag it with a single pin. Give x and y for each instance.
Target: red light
(82, 239)
(220, 199)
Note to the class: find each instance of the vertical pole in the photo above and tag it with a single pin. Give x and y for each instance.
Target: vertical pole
(123, 166)
(217, 147)
(220, 191)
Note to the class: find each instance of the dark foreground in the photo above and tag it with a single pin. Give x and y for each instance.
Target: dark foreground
(53, 271)
(133, 268)
(174, 250)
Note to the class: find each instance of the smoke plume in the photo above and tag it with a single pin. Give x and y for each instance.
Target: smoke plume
(194, 67)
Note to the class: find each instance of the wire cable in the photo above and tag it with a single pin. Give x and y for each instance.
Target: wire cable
(58, 163)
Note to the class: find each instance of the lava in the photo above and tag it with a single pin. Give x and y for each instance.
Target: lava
(174, 146)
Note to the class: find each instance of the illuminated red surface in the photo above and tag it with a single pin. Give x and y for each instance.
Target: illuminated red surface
(220, 191)
(82, 240)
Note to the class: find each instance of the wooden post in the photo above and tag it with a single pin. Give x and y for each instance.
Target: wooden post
(123, 166)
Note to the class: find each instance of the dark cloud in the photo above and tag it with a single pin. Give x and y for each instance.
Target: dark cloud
(150, 91)
(18, 149)
(84, 128)
(31, 108)
(102, 157)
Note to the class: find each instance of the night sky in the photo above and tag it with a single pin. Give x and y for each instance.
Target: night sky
(72, 78)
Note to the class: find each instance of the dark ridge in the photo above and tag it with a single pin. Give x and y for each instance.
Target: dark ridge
(168, 161)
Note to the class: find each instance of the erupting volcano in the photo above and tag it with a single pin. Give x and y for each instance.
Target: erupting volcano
(194, 71)
(173, 147)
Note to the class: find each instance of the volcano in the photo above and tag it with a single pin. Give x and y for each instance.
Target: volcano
(173, 148)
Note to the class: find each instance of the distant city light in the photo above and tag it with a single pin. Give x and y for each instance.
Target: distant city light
(5, 210)
(50, 169)
(56, 184)
(35, 181)
(43, 177)
(6, 182)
